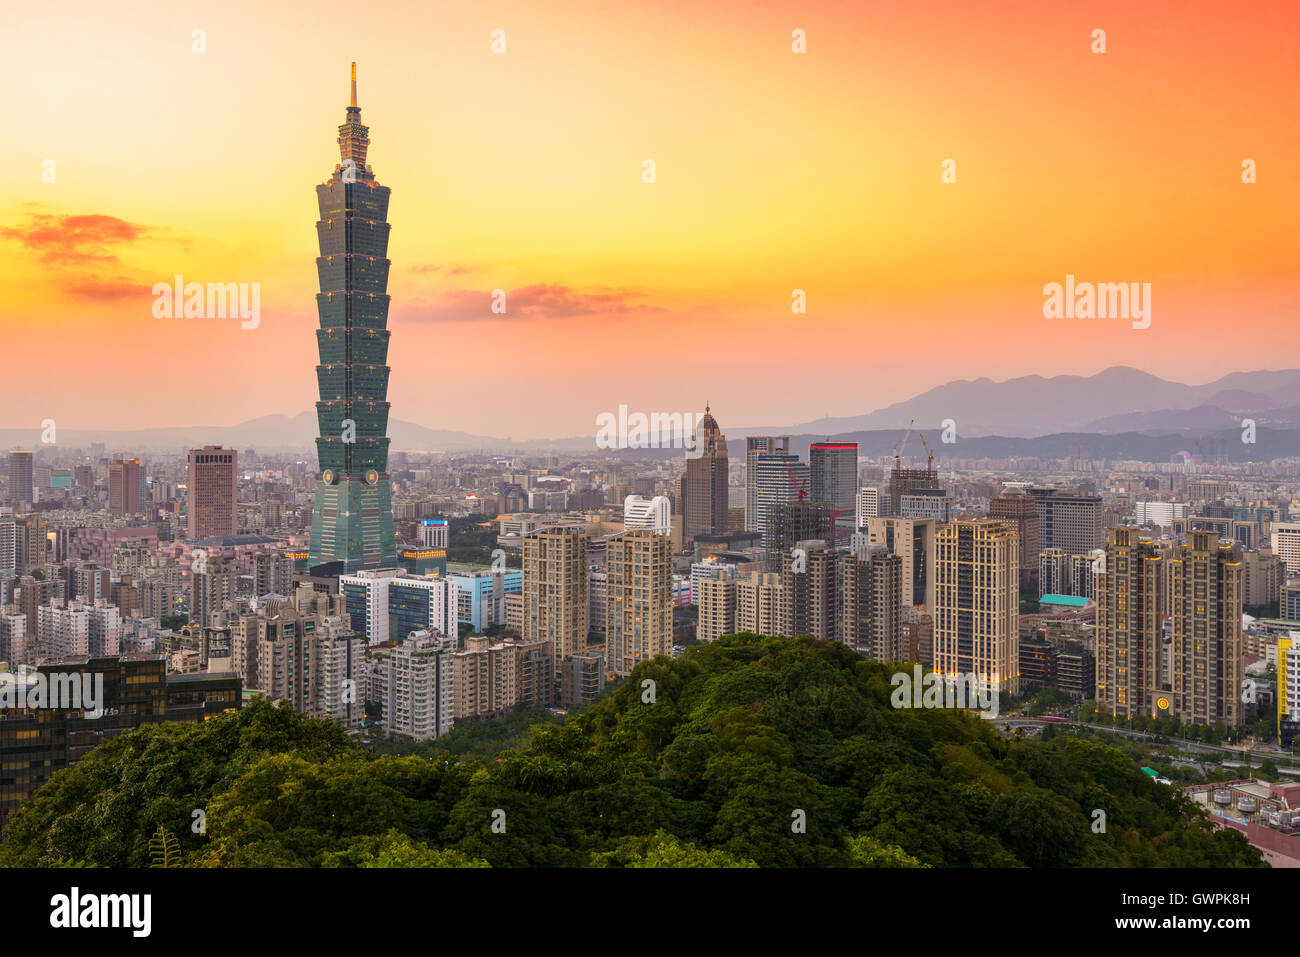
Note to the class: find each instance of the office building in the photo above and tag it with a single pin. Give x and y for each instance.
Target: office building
(756, 445)
(704, 484)
(1022, 511)
(481, 594)
(868, 504)
(20, 478)
(1286, 546)
(1070, 521)
(212, 480)
(125, 486)
(352, 515)
(789, 523)
(779, 479)
(833, 472)
(388, 604)
(655, 514)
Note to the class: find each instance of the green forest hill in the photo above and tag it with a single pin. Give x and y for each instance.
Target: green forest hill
(756, 751)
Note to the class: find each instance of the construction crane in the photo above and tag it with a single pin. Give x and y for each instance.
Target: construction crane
(929, 456)
(899, 449)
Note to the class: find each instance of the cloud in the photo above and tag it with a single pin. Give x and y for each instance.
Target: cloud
(450, 270)
(538, 301)
(108, 289)
(74, 239)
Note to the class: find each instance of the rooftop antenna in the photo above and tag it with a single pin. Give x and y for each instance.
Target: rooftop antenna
(354, 82)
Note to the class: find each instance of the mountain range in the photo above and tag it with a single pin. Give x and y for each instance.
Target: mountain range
(1120, 412)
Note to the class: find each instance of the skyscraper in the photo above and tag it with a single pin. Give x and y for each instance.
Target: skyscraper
(1068, 520)
(755, 446)
(977, 603)
(20, 477)
(834, 472)
(555, 590)
(1023, 511)
(1207, 649)
(352, 517)
(1132, 656)
(779, 478)
(704, 484)
(124, 482)
(211, 492)
(638, 599)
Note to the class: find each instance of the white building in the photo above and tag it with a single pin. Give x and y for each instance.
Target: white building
(433, 533)
(1286, 546)
(63, 628)
(387, 604)
(868, 504)
(419, 700)
(13, 639)
(655, 513)
(1160, 513)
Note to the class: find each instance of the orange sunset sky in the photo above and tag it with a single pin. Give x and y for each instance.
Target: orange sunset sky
(522, 171)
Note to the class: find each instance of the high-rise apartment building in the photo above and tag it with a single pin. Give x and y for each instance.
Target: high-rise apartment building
(871, 603)
(214, 581)
(212, 492)
(555, 590)
(764, 605)
(1207, 645)
(715, 600)
(789, 523)
(704, 484)
(756, 445)
(1134, 661)
(20, 477)
(833, 470)
(125, 485)
(638, 599)
(352, 515)
(8, 545)
(420, 687)
(912, 540)
(272, 573)
(977, 603)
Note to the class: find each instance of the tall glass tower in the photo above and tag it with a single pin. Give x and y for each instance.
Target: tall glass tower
(352, 519)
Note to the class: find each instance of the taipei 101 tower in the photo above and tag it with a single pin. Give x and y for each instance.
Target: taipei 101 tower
(352, 519)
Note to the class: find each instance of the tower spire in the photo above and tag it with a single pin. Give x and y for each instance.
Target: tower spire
(354, 82)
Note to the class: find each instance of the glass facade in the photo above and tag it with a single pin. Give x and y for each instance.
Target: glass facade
(352, 519)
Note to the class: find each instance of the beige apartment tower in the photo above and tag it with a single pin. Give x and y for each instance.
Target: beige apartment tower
(977, 603)
(1132, 659)
(555, 590)
(638, 599)
(1207, 665)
